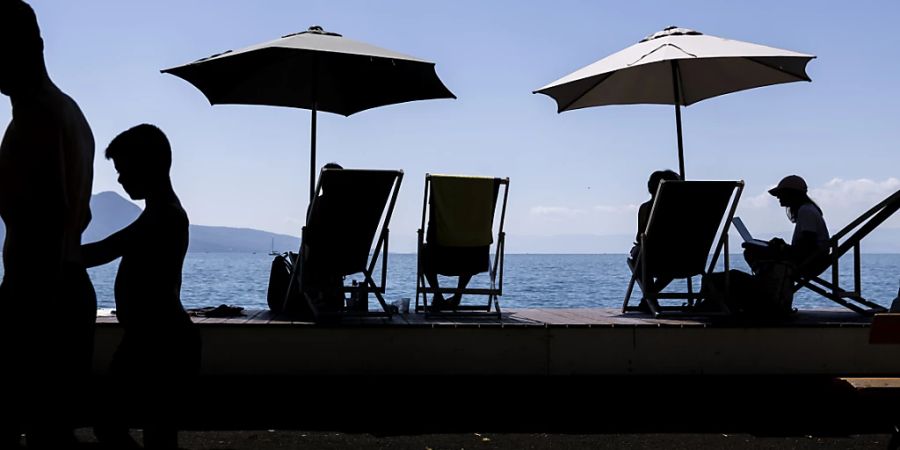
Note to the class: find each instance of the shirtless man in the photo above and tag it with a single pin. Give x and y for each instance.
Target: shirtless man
(46, 171)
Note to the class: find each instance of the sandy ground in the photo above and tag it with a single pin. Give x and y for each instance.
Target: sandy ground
(278, 440)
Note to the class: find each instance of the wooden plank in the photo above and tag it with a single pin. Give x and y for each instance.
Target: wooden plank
(517, 317)
(569, 318)
(263, 318)
(544, 316)
(107, 320)
(249, 314)
(873, 383)
(886, 325)
(607, 316)
(216, 320)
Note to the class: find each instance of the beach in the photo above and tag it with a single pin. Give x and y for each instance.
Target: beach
(527, 413)
(280, 439)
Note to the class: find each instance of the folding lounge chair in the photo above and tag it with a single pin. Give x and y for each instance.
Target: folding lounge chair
(343, 220)
(840, 243)
(460, 212)
(688, 222)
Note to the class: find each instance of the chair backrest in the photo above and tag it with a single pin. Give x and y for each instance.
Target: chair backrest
(345, 214)
(461, 212)
(686, 219)
(852, 234)
(867, 222)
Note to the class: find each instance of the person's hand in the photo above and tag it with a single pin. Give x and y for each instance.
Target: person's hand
(777, 243)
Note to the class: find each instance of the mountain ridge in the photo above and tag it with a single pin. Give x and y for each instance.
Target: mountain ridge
(111, 212)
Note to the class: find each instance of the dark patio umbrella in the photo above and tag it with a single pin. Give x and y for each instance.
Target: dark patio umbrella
(314, 70)
(676, 66)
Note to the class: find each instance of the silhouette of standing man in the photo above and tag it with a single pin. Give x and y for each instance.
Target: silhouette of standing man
(46, 171)
(160, 348)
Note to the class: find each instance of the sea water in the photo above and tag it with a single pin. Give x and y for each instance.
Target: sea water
(529, 281)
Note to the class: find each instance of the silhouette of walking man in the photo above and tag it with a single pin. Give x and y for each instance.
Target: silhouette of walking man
(160, 348)
(46, 171)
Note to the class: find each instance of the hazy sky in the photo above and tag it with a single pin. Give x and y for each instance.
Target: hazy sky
(580, 172)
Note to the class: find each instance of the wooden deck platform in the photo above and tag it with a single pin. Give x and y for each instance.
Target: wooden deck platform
(535, 342)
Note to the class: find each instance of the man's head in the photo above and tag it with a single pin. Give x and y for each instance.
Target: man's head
(142, 156)
(21, 46)
(657, 177)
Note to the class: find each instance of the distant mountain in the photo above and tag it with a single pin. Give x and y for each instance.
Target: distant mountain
(242, 240)
(110, 213)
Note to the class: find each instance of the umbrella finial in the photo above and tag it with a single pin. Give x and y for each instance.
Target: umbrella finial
(317, 29)
(671, 31)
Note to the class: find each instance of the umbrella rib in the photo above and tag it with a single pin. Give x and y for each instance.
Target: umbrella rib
(585, 92)
(657, 48)
(803, 77)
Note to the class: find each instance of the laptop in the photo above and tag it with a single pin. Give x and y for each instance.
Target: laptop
(745, 233)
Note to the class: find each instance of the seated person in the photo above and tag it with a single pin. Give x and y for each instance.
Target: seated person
(769, 292)
(320, 280)
(160, 349)
(461, 262)
(810, 235)
(643, 218)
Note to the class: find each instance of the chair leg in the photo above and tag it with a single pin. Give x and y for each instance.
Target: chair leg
(652, 303)
(628, 294)
(690, 286)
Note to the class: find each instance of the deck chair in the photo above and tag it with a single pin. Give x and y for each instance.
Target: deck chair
(841, 243)
(351, 208)
(460, 213)
(688, 222)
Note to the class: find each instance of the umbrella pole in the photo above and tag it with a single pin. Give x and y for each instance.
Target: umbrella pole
(676, 88)
(312, 156)
(680, 145)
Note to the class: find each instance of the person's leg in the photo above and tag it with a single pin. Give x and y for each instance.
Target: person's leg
(437, 299)
(12, 348)
(179, 366)
(453, 302)
(111, 429)
(60, 361)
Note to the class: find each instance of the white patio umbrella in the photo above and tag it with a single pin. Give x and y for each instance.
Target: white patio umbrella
(676, 66)
(314, 70)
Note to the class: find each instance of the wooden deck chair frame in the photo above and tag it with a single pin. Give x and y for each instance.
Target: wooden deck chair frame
(495, 271)
(642, 277)
(362, 290)
(839, 245)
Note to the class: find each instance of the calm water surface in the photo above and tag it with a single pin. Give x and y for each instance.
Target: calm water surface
(530, 281)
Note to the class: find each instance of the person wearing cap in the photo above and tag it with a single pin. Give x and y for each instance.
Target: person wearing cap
(810, 231)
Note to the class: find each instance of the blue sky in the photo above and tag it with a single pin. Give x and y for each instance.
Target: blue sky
(572, 174)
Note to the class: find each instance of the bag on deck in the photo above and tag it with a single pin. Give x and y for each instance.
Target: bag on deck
(766, 294)
(279, 278)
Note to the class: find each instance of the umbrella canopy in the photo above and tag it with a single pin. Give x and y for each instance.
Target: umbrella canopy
(314, 70)
(676, 66)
